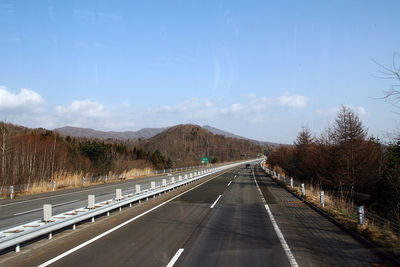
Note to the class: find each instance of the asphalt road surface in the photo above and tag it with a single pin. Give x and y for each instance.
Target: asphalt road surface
(222, 221)
(29, 208)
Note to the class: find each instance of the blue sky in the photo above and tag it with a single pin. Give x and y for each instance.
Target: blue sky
(260, 69)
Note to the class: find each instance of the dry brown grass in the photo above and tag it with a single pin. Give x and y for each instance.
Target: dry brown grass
(345, 212)
(67, 180)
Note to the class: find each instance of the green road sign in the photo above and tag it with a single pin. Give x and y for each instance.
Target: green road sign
(205, 160)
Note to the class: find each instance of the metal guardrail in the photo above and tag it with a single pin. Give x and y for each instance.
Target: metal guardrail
(20, 234)
(349, 210)
(12, 190)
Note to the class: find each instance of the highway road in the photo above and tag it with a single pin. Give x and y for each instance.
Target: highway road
(29, 208)
(221, 221)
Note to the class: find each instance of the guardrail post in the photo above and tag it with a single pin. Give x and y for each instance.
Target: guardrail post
(303, 190)
(152, 185)
(291, 181)
(54, 185)
(47, 212)
(17, 248)
(322, 199)
(118, 194)
(90, 201)
(11, 191)
(164, 182)
(360, 211)
(83, 180)
(137, 188)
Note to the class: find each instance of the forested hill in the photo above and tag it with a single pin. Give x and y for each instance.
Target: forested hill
(186, 144)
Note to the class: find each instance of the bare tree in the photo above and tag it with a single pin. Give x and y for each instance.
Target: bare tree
(392, 72)
(4, 132)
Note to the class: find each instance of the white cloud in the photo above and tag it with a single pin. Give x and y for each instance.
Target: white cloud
(359, 110)
(286, 100)
(293, 101)
(192, 104)
(331, 112)
(23, 102)
(84, 108)
(92, 114)
(233, 109)
(251, 95)
(252, 110)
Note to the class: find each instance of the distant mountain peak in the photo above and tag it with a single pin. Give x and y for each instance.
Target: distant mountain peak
(103, 135)
(146, 133)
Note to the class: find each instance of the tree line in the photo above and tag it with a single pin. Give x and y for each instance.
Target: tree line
(28, 155)
(345, 160)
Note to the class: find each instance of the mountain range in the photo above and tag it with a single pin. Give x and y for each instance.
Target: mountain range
(145, 133)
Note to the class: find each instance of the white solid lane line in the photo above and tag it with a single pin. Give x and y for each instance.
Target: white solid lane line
(215, 202)
(72, 250)
(175, 258)
(229, 183)
(59, 195)
(29, 211)
(278, 232)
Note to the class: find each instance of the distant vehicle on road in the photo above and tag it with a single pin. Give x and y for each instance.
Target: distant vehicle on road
(247, 165)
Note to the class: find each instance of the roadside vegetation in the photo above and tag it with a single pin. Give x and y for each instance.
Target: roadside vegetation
(36, 157)
(352, 169)
(31, 159)
(376, 229)
(345, 160)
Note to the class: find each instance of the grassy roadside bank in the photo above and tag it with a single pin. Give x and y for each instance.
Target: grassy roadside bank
(377, 230)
